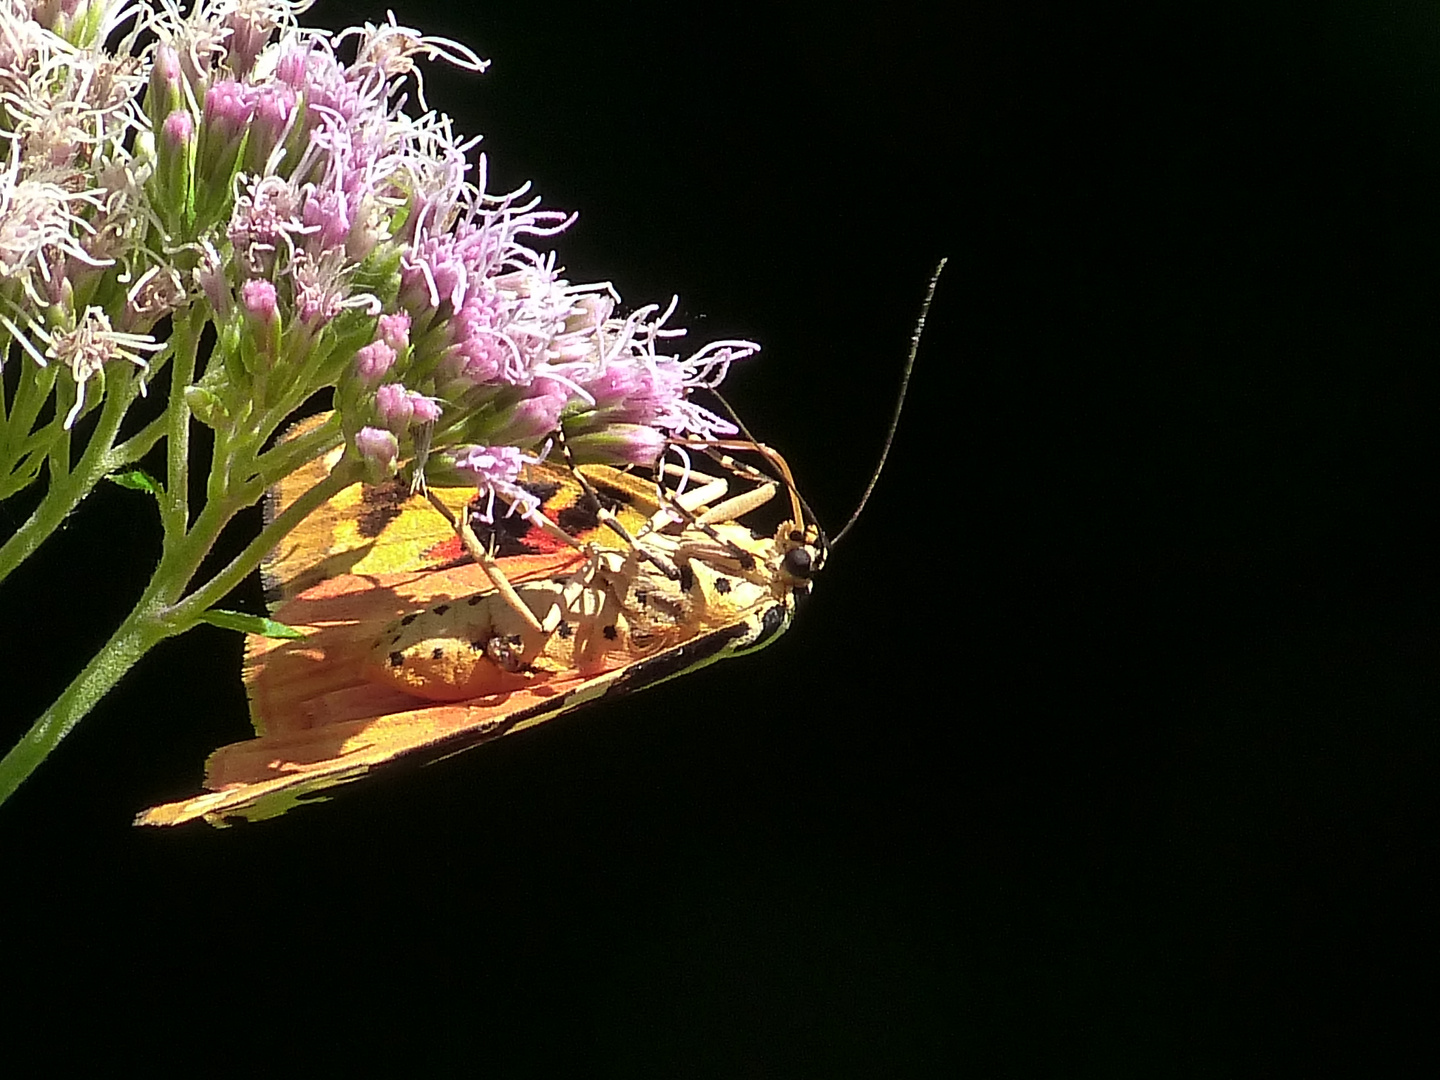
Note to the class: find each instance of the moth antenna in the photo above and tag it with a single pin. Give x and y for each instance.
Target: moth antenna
(899, 402)
(733, 415)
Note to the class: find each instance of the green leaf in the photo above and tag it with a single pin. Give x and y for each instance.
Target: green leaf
(137, 480)
(249, 624)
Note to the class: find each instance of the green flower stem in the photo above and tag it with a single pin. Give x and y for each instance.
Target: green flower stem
(67, 489)
(184, 342)
(30, 394)
(136, 636)
(161, 613)
(58, 459)
(139, 444)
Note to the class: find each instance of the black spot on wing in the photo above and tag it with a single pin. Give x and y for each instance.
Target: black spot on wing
(611, 496)
(504, 536)
(687, 578)
(509, 534)
(380, 504)
(722, 585)
(580, 517)
(544, 490)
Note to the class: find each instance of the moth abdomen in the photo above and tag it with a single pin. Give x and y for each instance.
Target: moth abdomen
(468, 647)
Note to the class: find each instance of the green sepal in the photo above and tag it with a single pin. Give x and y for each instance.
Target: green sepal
(249, 624)
(207, 407)
(137, 480)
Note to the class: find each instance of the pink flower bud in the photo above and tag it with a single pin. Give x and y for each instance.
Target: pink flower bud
(394, 330)
(535, 416)
(274, 106)
(427, 410)
(178, 129)
(393, 407)
(374, 361)
(379, 448)
(259, 299)
(167, 65)
(228, 108)
(618, 444)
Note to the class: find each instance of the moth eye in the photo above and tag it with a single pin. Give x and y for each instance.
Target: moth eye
(797, 563)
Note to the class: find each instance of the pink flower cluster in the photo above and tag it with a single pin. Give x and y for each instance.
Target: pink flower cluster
(336, 240)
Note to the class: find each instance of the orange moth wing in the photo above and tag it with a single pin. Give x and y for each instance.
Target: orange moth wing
(368, 556)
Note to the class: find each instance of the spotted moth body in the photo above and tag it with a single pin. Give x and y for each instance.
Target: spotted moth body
(424, 657)
(677, 582)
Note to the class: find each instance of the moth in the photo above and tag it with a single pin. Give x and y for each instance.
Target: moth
(412, 650)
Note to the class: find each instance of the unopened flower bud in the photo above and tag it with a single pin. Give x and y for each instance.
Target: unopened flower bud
(394, 329)
(206, 407)
(228, 109)
(427, 410)
(374, 361)
(534, 417)
(260, 346)
(260, 300)
(618, 444)
(393, 407)
(380, 449)
(250, 26)
(164, 95)
(172, 168)
(274, 106)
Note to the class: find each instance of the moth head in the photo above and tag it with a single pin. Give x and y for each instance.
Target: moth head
(802, 553)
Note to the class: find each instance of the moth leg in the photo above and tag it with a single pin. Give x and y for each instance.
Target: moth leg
(739, 505)
(491, 568)
(725, 511)
(741, 469)
(611, 522)
(691, 499)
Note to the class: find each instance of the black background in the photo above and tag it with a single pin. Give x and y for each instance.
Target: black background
(1105, 746)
